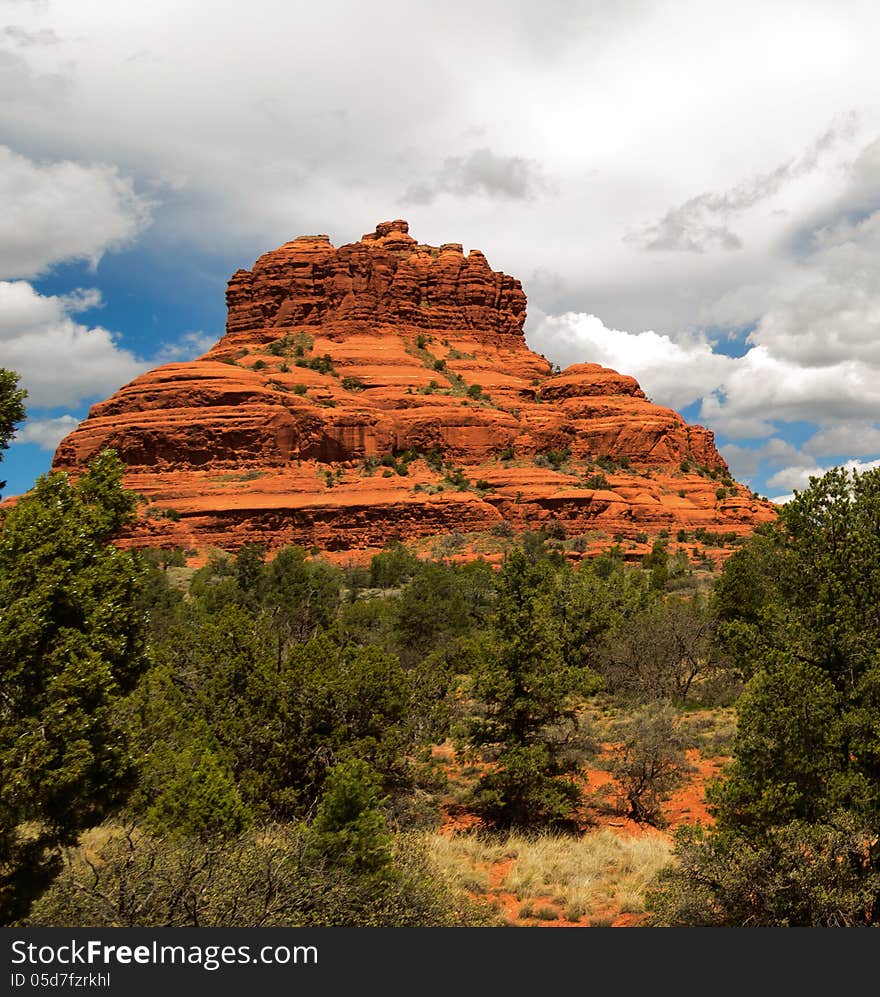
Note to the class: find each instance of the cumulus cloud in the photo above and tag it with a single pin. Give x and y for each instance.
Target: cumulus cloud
(859, 438)
(795, 474)
(673, 373)
(482, 172)
(742, 461)
(831, 310)
(46, 433)
(798, 478)
(61, 361)
(618, 111)
(63, 210)
(584, 90)
(189, 346)
(811, 354)
(863, 188)
(21, 36)
(761, 389)
(814, 351)
(21, 86)
(743, 397)
(703, 221)
(740, 396)
(747, 462)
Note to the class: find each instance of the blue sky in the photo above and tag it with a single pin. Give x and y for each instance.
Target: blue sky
(690, 193)
(157, 305)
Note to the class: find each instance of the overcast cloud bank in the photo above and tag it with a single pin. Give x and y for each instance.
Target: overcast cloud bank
(687, 196)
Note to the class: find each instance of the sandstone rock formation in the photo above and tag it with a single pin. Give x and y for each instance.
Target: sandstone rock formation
(385, 389)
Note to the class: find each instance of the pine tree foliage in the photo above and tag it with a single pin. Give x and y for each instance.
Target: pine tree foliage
(71, 646)
(798, 810)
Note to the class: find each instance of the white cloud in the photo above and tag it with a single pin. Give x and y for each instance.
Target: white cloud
(60, 361)
(740, 395)
(747, 462)
(46, 433)
(798, 478)
(484, 172)
(705, 220)
(24, 38)
(815, 348)
(319, 119)
(672, 373)
(832, 313)
(858, 438)
(60, 211)
(189, 346)
(812, 355)
(742, 461)
(22, 87)
(761, 389)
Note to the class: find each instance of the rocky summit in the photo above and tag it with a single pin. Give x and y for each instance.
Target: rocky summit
(384, 389)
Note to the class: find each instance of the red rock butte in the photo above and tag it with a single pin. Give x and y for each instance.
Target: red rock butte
(384, 389)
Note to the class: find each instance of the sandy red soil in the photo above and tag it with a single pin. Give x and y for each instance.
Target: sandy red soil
(686, 805)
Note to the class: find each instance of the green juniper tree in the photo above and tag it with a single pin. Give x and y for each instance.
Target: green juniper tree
(349, 829)
(803, 790)
(71, 645)
(527, 692)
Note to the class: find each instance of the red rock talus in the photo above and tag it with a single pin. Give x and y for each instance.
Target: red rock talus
(336, 360)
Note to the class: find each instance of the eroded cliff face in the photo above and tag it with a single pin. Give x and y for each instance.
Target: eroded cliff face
(337, 359)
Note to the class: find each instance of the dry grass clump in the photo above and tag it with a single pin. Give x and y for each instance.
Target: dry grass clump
(570, 877)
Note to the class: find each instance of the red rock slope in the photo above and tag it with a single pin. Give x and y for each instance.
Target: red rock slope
(382, 389)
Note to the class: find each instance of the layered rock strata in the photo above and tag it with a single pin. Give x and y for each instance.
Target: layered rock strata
(385, 389)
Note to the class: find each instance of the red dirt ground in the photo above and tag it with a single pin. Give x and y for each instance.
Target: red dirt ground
(687, 805)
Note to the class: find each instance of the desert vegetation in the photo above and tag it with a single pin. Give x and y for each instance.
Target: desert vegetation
(269, 739)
